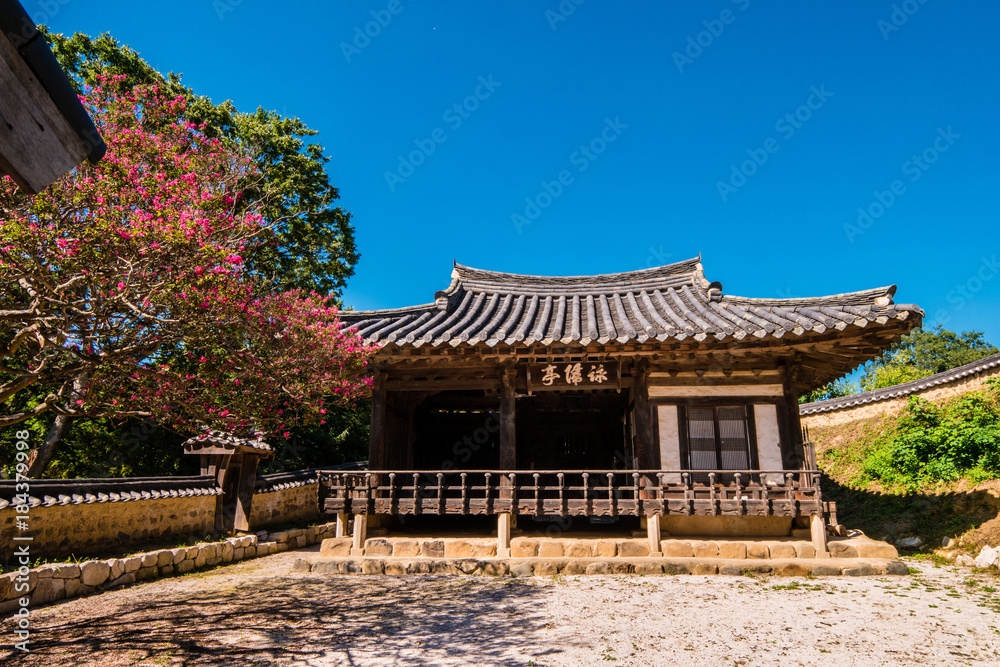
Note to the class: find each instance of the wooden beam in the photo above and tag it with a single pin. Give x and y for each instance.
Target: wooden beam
(440, 385)
(37, 144)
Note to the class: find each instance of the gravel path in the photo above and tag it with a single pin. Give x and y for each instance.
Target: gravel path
(260, 613)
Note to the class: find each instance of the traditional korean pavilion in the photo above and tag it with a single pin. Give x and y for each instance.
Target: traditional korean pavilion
(648, 394)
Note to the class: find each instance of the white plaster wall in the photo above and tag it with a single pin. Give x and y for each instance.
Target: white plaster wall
(768, 440)
(670, 441)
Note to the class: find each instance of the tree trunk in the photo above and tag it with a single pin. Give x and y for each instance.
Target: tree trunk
(42, 455)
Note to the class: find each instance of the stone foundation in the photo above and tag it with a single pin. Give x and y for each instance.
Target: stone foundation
(548, 567)
(530, 556)
(532, 547)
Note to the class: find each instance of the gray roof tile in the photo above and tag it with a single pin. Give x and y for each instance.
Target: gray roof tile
(665, 302)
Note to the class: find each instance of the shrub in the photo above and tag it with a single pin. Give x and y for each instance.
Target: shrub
(939, 444)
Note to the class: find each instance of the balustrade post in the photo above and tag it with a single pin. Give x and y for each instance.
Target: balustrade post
(538, 496)
(416, 493)
(635, 495)
(611, 494)
(465, 494)
(562, 496)
(741, 506)
(440, 493)
(711, 492)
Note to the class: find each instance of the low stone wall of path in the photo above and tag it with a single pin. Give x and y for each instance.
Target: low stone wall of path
(56, 581)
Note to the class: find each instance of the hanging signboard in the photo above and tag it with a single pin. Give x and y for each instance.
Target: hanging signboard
(571, 375)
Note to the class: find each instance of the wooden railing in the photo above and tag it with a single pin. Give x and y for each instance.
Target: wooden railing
(786, 493)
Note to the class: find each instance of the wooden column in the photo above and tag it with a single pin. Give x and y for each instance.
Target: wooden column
(643, 419)
(244, 493)
(503, 534)
(507, 435)
(791, 436)
(215, 465)
(360, 535)
(376, 437)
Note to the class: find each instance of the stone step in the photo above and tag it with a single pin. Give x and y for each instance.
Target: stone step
(547, 567)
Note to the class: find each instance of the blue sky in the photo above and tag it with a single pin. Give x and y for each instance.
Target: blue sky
(626, 135)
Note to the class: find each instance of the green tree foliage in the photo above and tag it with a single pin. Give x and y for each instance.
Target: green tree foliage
(915, 356)
(925, 352)
(343, 439)
(893, 373)
(314, 250)
(315, 247)
(933, 444)
(834, 389)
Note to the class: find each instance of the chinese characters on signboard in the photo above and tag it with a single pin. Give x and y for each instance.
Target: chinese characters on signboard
(575, 374)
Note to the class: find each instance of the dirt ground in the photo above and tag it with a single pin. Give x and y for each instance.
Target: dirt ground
(260, 613)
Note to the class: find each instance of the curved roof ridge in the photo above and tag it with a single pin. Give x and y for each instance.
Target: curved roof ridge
(465, 274)
(900, 390)
(886, 292)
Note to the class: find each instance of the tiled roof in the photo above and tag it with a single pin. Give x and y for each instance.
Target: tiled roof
(289, 480)
(901, 390)
(226, 441)
(675, 301)
(52, 492)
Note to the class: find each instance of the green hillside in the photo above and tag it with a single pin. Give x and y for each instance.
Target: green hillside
(930, 470)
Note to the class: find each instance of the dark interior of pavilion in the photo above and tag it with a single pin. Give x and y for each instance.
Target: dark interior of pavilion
(581, 430)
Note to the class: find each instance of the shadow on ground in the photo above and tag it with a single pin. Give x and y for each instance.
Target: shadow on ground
(931, 517)
(410, 620)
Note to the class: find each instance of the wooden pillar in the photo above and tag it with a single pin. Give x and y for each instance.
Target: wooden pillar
(653, 532)
(791, 440)
(503, 534)
(244, 492)
(360, 535)
(643, 419)
(818, 529)
(215, 465)
(507, 435)
(376, 437)
(341, 524)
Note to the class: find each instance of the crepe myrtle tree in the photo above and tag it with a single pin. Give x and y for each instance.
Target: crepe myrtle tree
(125, 292)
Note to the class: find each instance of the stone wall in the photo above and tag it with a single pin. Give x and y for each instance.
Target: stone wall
(91, 517)
(297, 504)
(91, 528)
